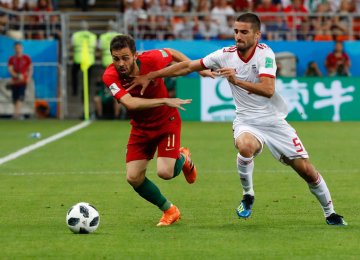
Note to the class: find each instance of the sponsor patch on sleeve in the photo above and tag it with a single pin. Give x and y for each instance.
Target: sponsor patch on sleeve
(114, 89)
(269, 62)
(164, 53)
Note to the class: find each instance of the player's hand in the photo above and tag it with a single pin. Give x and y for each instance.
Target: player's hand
(228, 73)
(177, 102)
(142, 81)
(207, 73)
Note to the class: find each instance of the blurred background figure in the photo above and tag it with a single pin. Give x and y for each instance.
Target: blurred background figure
(21, 70)
(312, 70)
(104, 43)
(77, 42)
(106, 107)
(40, 21)
(220, 11)
(337, 62)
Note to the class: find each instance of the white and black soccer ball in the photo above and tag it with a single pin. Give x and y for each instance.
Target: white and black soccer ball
(82, 218)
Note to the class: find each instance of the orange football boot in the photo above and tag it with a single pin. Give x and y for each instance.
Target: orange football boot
(188, 168)
(169, 216)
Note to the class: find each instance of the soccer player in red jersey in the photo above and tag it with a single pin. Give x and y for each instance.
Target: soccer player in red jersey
(155, 120)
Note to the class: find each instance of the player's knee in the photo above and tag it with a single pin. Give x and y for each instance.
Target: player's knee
(134, 181)
(165, 173)
(246, 151)
(248, 146)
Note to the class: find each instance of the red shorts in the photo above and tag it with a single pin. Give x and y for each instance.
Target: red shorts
(143, 142)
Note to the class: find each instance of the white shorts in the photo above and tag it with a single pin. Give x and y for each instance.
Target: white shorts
(281, 139)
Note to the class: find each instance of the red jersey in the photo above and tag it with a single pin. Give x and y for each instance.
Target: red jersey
(147, 62)
(267, 9)
(21, 66)
(299, 19)
(334, 61)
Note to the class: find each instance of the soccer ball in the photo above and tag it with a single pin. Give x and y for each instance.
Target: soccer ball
(82, 218)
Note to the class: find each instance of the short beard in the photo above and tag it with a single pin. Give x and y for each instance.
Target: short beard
(242, 48)
(127, 75)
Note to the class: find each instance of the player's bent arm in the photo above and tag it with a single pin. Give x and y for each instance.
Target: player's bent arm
(135, 103)
(266, 86)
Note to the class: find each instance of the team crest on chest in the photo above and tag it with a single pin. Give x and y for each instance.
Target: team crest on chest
(254, 68)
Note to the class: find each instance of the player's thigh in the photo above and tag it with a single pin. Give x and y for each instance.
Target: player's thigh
(284, 143)
(169, 141)
(141, 145)
(165, 167)
(248, 139)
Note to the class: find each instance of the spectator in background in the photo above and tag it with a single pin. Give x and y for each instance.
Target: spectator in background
(21, 70)
(40, 20)
(203, 6)
(181, 6)
(311, 5)
(160, 7)
(55, 28)
(104, 43)
(207, 29)
(294, 22)
(84, 4)
(322, 22)
(137, 20)
(337, 63)
(83, 35)
(3, 20)
(220, 11)
(227, 33)
(342, 21)
(162, 28)
(244, 5)
(14, 20)
(105, 105)
(273, 24)
(313, 70)
(133, 12)
(183, 27)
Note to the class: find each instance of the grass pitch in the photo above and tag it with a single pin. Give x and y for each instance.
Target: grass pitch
(37, 189)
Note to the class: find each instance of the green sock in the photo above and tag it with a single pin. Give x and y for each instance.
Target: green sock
(178, 165)
(149, 191)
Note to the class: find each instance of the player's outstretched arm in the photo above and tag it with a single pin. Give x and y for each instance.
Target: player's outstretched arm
(178, 69)
(180, 57)
(136, 103)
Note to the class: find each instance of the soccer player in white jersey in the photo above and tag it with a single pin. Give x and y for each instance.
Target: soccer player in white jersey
(250, 69)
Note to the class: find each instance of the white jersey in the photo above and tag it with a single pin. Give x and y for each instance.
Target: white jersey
(250, 107)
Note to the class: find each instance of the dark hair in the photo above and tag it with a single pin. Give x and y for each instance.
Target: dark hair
(17, 43)
(122, 41)
(250, 18)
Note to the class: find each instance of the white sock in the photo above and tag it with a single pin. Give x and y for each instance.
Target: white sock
(245, 167)
(322, 193)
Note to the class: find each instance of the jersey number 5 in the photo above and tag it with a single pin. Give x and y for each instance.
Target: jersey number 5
(298, 144)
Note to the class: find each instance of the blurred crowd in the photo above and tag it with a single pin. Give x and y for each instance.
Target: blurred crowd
(317, 20)
(35, 24)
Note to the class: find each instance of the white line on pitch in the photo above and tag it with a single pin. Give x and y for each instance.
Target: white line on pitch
(226, 171)
(41, 143)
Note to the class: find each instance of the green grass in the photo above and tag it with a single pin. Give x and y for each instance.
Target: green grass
(287, 223)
